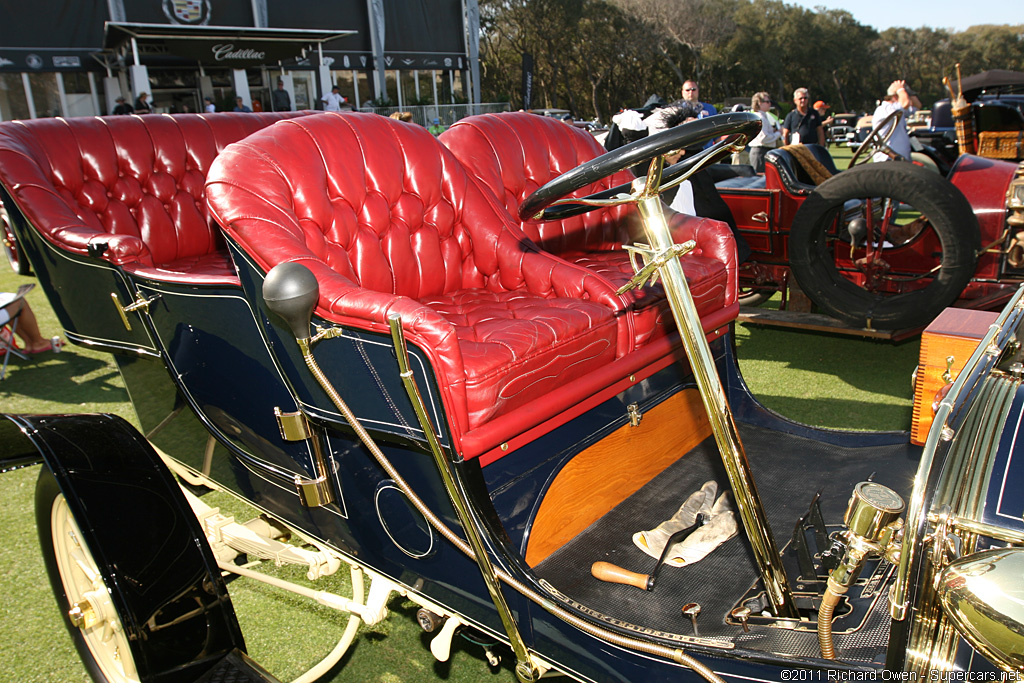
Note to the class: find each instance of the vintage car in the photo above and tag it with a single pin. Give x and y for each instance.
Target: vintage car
(882, 245)
(541, 438)
(994, 105)
(842, 126)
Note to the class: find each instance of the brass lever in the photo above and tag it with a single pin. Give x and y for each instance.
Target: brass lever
(140, 304)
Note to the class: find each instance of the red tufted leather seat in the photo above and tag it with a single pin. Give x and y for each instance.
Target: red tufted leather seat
(514, 153)
(389, 221)
(133, 183)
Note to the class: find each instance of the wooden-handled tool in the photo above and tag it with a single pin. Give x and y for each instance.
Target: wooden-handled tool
(613, 573)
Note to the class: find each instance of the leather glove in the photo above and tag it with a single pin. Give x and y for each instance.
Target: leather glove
(719, 526)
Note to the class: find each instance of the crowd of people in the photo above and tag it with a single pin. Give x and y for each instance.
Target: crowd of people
(280, 100)
(804, 124)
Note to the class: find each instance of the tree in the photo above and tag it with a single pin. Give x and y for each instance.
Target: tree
(596, 56)
(696, 26)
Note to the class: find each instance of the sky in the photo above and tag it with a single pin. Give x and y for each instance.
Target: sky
(948, 14)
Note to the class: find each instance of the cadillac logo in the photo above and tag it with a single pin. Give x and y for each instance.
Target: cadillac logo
(188, 12)
(227, 51)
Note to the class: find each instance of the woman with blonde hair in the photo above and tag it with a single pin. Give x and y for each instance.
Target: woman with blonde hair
(769, 137)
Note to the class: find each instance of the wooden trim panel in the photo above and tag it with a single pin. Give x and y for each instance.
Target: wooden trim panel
(604, 475)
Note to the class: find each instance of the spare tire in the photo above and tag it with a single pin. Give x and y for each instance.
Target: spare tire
(868, 280)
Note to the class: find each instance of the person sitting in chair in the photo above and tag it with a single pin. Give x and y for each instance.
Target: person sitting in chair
(11, 306)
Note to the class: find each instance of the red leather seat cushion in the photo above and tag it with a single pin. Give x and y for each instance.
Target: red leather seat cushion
(517, 346)
(389, 221)
(515, 153)
(133, 183)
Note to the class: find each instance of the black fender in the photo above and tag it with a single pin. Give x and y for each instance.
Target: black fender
(145, 539)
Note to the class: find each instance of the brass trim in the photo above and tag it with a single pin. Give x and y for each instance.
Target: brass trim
(724, 644)
(120, 311)
(977, 528)
(940, 432)
(635, 416)
(526, 669)
(293, 426)
(140, 304)
(723, 425)
(314, 492)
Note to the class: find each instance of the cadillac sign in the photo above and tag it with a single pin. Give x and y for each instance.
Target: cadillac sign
(237, 54)
(228, 53)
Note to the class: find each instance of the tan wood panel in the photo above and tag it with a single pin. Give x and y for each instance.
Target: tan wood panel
(602, 476)
(955, 332)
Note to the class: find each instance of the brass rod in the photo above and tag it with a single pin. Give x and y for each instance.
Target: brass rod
(525, 668)
(636, 644)
(723, 426)
(977, 528)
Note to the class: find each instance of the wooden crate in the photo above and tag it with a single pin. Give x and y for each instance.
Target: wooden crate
(1001, 144)
(954, 333)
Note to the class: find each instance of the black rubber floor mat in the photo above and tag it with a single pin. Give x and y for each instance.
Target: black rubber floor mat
(788, 470)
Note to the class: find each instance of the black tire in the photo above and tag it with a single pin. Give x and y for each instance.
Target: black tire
(933, 264)
(104, 646)
(19, 264)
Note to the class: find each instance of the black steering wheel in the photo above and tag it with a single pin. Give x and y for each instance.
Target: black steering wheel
(735, 128)
(877, 142)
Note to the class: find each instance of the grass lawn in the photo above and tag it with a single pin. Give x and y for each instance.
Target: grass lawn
(819, 379)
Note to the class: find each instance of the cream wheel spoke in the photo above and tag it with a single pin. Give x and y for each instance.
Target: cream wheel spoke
(91, 607)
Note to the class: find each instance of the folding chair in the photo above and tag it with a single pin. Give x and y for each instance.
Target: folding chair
(8, 342)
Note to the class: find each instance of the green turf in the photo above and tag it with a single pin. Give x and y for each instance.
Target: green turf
(815, 378)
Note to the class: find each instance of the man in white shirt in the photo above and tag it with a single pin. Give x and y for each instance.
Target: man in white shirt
(897, 97)
(332, 100)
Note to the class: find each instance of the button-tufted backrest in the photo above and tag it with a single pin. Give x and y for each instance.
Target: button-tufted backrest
(380, 201)
(133, 176)
(514, 153)
(793, 172)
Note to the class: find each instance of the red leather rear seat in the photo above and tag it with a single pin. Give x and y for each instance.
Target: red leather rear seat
(389, 221)
(133, 183)
(514, 153)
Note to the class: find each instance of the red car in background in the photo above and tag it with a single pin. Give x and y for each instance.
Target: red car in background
(882, 245)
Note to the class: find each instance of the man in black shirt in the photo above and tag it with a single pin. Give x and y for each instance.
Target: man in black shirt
(803, 124)
(122, 107)
(280, 99)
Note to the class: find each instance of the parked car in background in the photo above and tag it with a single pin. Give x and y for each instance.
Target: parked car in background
(996, 100)
(560, 114)
(842, 125)
(883, 245)
(921, 118)
(860, 131)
